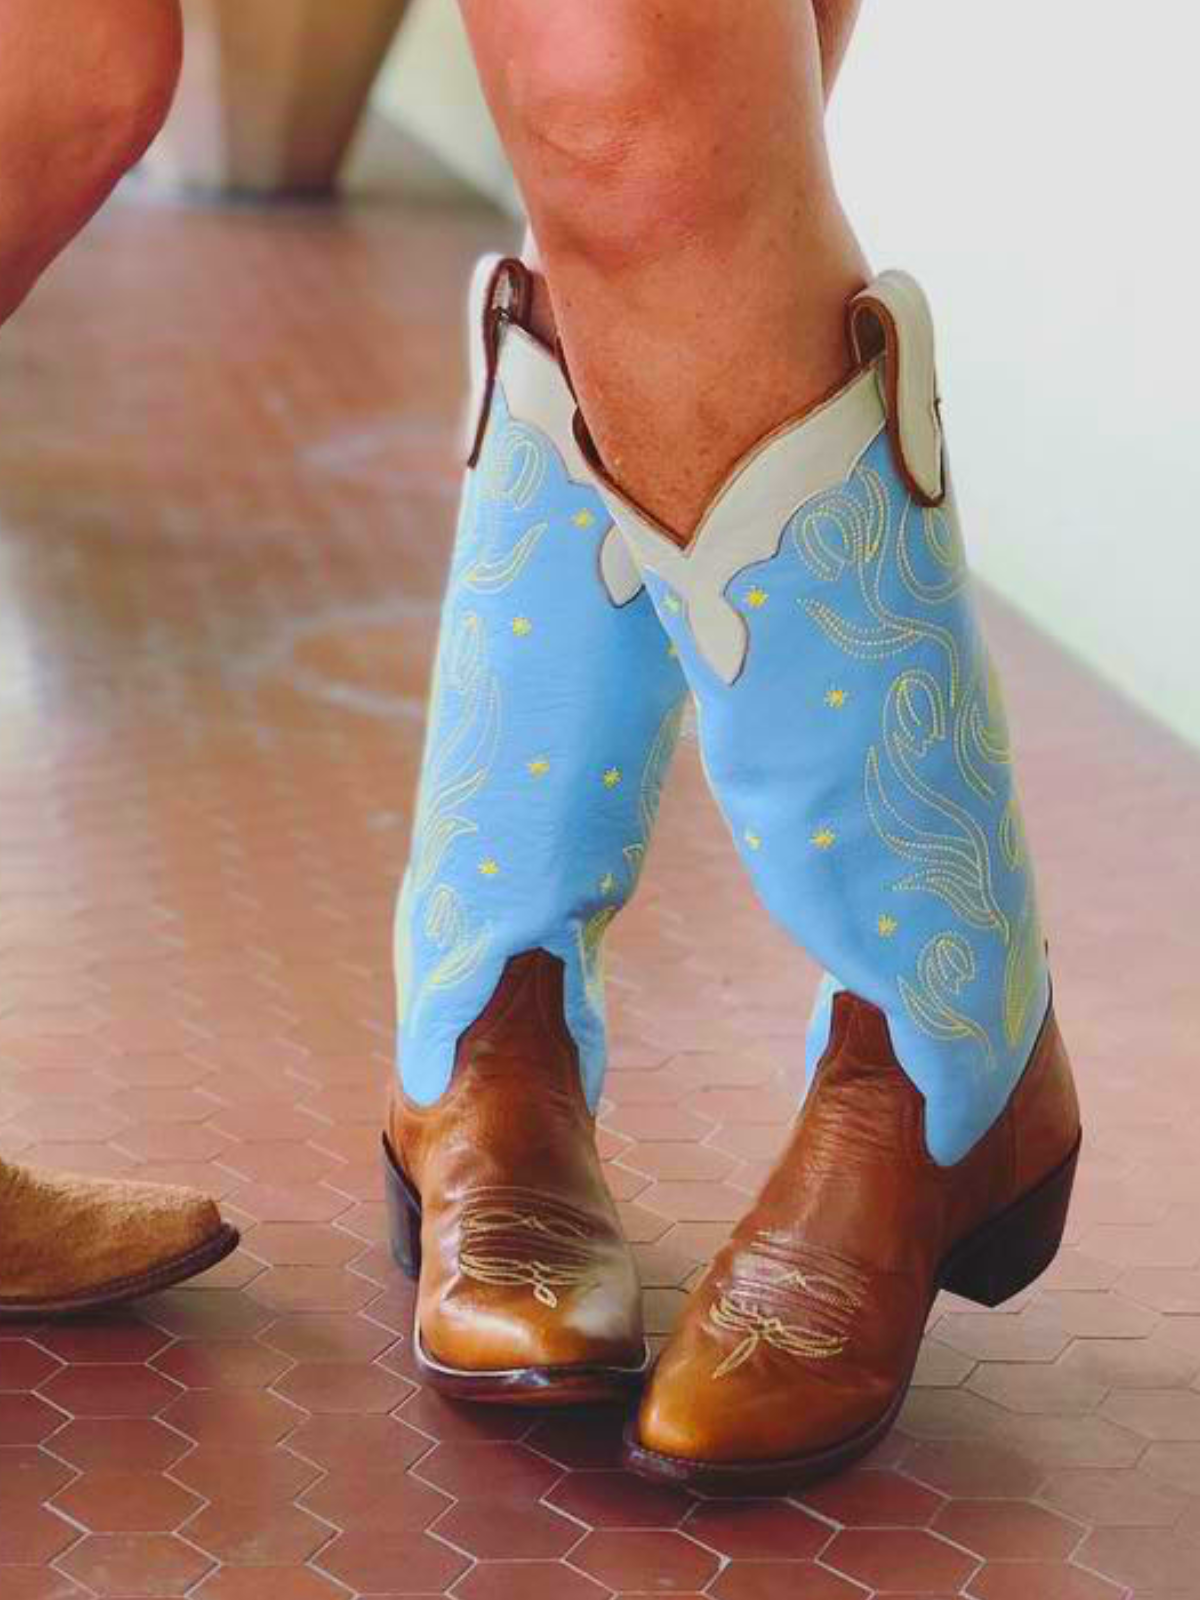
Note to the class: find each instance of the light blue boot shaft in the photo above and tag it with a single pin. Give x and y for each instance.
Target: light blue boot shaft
(853, 732)
(553, 716)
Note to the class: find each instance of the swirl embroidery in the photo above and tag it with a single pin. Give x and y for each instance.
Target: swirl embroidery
(460, 758)
(591, 934)
(515, 472)
(956, 864)
(485, 1253)
(833, 1287)
(981, 737)
(736, 1313)
(946, 838)
(842, 533)
(945, 967)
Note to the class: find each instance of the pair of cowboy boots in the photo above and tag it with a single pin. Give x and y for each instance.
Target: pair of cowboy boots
(854, 737)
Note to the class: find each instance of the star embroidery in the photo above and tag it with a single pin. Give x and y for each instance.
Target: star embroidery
(583, 519)
(886, 926)
(489, 868)
(836, 699)
(824, 838)
(538, 767)
(521, 626)
(756, 597)
(612, 778)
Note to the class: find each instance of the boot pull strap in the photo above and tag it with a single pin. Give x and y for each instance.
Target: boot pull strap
(891, 318)
(507, 293)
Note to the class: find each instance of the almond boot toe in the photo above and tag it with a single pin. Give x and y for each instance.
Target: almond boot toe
(77, 1243)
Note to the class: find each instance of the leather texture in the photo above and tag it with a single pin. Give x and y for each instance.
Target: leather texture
(891, 318)
(70, 1239)
(553, 716)
(861, 754)
(523, 1262)
(804, 1331)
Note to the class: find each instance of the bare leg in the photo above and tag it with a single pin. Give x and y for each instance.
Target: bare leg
(835, 24)
(673, 162)
(84, 87)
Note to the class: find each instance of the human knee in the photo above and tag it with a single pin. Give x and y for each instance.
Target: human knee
(124, 78)
(633, 143)
(85, 87)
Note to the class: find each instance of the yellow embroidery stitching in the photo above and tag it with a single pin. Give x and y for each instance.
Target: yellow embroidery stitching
(981, 731)
(756, 598)
(612, 777)
(819, 1286)
(538, 767)
(488, 575)
(943, 544)
(1013, 847)
(591, 935)
(948, 848)
(522, 627)
(447, 927)
(840, 532)
(836, 699)
(489, 867)
(735, 1314)
(954, 865)
(458, 767)
(945, 967)
(591, 949)
(1023, 970)
(583, 519)
(824, 838)
(517, 467)
(516, 470)
(479, 1257)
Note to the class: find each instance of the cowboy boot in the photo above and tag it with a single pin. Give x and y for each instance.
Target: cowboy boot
(554, 712)
(853, 733)
(71, 1244)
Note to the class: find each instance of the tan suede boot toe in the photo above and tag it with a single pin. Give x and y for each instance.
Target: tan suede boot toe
(72, 1243)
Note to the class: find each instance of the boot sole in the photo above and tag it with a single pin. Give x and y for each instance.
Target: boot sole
(121, 1290)
(991, 1265)
(584, 1384)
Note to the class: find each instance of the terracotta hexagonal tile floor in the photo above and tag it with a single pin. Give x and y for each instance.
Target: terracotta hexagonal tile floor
(227, 459)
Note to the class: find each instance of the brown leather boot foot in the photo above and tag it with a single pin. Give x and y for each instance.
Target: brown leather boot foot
(528, 1290)
(70, 1244)
(797, 1349)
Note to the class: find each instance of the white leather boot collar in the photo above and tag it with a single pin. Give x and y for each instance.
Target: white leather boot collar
(746, 521)
(801, 459)
(535, 392)
(891, 319)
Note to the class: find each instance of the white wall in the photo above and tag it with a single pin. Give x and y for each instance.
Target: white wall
(429, 87)
(1034, 165)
